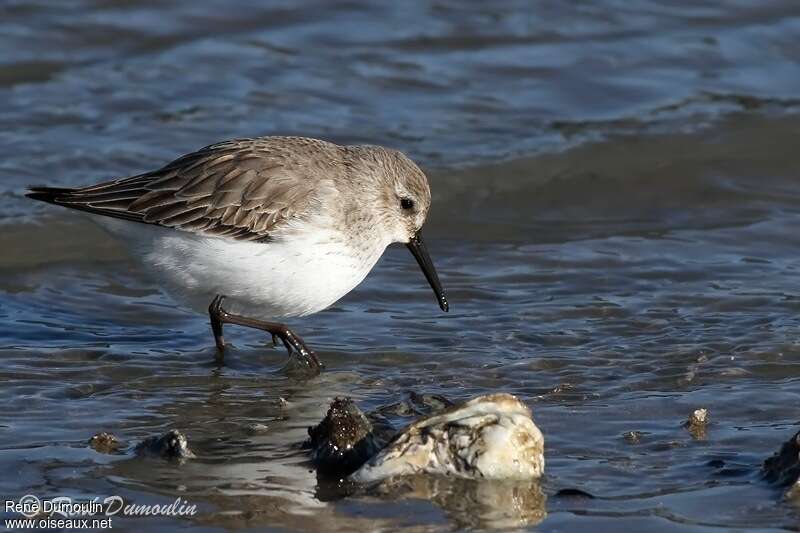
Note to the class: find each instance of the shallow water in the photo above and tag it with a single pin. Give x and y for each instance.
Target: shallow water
(615, 218)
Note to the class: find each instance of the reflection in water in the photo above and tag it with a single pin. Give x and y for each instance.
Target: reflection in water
(639, 259)
(473, 503)
(469, 503)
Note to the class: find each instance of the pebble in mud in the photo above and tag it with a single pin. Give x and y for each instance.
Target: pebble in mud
(171, 445)
(104, 442)
(697, 423)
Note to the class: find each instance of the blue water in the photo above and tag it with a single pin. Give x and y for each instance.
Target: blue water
(615, 218)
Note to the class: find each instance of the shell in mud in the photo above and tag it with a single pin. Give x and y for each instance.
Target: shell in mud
(490, 436)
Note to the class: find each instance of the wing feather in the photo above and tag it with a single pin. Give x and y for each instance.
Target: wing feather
(240, 189)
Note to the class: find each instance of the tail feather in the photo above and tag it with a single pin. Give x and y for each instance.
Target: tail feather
(49, 194)
(78, 199)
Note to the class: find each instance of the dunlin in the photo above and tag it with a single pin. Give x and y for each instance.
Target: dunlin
(280, 226)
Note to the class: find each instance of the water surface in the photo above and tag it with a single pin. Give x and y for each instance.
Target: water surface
(615, 219)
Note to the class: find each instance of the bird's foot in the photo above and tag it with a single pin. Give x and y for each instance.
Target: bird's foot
(302, 360)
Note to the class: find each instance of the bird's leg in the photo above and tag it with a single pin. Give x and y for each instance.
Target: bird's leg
(292, 342)
(215, 314)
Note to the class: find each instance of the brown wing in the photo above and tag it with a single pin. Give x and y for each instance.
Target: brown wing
(240, 189)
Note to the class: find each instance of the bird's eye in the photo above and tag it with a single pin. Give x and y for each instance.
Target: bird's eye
(406, 203)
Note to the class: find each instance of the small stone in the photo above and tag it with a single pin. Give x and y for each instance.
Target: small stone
(343, 440)
(783, 468)
(561, 388)
(697, 423)
(105, 442)
(256, 428)
(633, 437)
(171, 445)
(698, 417)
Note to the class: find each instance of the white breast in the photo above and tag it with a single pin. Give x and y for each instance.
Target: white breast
(292, 276)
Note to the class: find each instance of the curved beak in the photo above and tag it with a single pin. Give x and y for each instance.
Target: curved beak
(420, 253)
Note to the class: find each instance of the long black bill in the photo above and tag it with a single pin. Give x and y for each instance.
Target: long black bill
(420, 252)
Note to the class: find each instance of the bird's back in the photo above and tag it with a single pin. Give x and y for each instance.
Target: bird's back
(243, 189)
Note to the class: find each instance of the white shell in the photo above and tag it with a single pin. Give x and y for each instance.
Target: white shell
(490, 437)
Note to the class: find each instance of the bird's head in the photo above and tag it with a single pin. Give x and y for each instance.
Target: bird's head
(405, 199)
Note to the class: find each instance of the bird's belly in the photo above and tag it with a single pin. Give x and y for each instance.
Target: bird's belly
(277, 279)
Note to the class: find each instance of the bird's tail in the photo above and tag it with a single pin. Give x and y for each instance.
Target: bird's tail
(94, 199)
(50, 195)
